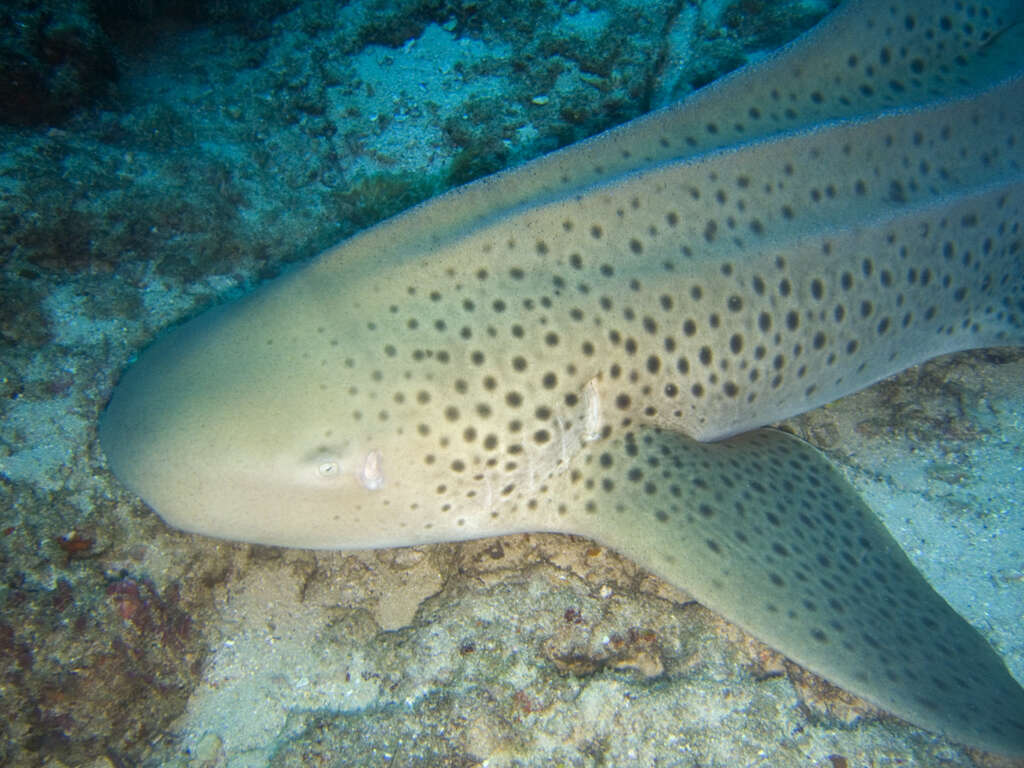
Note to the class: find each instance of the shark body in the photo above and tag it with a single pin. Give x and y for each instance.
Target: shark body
(554, 347)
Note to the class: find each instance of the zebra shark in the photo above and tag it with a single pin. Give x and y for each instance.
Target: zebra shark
(594, 342)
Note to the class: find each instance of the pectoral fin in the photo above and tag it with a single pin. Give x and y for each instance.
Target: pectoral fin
(763, 530)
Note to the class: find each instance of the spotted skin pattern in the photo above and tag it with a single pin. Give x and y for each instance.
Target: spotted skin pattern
(553, 348)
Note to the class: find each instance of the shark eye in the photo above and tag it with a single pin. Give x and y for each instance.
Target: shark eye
(327, 469)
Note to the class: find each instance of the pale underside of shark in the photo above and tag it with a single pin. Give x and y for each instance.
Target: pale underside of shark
(552, 348)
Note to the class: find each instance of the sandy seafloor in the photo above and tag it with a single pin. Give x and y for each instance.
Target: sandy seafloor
(228, 150)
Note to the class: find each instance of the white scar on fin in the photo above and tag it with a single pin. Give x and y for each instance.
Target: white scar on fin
(592, 401)
(568, 337)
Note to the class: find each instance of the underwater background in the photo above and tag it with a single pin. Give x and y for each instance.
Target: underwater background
(159, 156)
